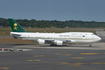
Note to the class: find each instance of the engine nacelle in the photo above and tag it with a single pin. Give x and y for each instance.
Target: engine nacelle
(73, 41)
(57, 42)
(70, 41)
(41, 41)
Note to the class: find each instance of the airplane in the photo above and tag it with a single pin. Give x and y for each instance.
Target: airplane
(52, 38)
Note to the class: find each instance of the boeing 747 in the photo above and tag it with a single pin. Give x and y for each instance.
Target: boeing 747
(52, 38)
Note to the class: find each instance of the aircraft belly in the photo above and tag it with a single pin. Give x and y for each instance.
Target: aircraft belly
(29, 38)
(84, 41)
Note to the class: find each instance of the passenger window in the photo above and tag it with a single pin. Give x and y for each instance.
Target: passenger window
(83, 36)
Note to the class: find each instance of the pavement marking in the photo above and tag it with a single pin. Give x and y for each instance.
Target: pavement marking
(98, 63)
(36, 56)
(76, 64)
(5, 68)
(64, 63)
(89, 53)
(42, 55)
(73, 64)
(77, 57)
(37, 60)
(63, 54)
(79, 64)
(39, 56)
(29, 60)
(67, 54)
(34, 60)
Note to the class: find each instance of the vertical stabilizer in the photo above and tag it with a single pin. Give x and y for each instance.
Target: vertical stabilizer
(15, 26)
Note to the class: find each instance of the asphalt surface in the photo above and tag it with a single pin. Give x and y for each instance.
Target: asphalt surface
(45, 57)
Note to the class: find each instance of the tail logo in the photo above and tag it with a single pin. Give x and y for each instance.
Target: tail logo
(15, 28)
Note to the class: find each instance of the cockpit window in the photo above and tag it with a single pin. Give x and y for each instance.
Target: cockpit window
(92, 34)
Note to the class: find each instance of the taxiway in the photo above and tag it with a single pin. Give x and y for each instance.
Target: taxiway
(77, 57)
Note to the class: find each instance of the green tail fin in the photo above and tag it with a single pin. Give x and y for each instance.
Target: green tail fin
(15, 26)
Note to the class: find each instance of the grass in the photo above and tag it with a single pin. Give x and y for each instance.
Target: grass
(16, 41)
(4, 33)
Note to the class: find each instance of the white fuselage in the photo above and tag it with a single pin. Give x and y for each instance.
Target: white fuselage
(67, 37)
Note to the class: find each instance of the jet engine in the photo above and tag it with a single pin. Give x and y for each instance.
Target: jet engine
(41, 41)
(70, 41)
(57, 42)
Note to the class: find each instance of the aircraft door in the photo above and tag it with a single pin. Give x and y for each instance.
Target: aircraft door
(83, 37)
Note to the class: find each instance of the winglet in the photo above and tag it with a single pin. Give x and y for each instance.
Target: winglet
(15, 26)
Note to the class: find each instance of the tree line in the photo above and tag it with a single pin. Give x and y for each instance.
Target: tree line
(54, 23)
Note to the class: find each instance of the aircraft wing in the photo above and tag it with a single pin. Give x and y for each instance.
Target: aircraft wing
(47, 41)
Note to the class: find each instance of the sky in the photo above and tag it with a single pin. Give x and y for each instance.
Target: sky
(61, 10)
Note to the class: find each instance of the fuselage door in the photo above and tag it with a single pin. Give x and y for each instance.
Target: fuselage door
(83, 37)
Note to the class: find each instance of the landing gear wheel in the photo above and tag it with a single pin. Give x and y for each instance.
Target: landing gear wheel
(90, 45)
(53, 45)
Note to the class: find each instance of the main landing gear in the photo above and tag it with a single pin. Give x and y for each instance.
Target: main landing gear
(90, 45)
(53, 44)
